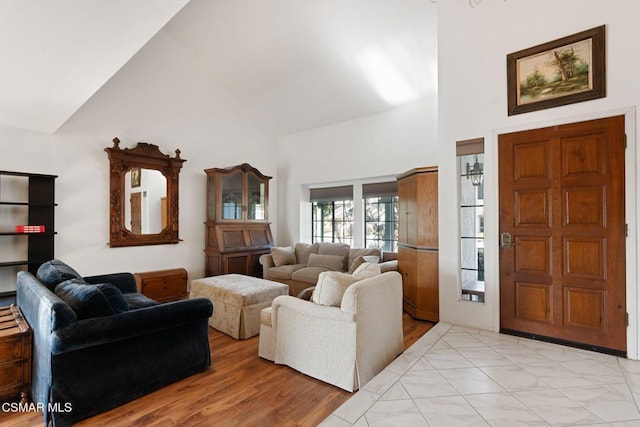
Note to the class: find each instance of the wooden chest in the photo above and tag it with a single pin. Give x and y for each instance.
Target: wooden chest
(163, 285)
(15, 354)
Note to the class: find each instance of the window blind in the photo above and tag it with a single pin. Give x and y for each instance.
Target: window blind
(331, 194)
(380, 189)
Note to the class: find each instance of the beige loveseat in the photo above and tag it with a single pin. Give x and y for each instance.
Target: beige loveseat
(300, 266)
(345, 339)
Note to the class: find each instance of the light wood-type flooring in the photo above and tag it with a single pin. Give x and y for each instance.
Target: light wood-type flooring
(239, 389)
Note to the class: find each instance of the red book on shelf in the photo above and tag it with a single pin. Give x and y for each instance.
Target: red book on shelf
(29, 228)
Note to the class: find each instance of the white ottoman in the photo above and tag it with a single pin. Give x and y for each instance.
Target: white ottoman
(237, 301)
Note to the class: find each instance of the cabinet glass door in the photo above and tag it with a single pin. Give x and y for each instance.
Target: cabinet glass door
(232, 196)
(256, 198)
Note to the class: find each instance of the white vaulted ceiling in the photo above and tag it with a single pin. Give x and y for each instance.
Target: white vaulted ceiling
(291, 64)
(56, 54)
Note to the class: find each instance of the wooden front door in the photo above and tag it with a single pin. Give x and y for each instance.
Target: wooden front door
(562, 255)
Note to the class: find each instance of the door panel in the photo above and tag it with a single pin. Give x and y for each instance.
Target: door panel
(562, 201)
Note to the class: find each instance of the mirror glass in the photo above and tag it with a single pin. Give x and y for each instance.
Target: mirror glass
(145, 202)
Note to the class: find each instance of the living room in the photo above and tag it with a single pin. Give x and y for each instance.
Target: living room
(159, 84)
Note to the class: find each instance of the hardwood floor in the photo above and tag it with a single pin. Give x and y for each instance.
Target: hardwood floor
(239, 389)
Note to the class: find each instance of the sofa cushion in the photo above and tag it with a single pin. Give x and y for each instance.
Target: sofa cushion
(366, 270)
(331, 287)
(283, 256)
(86, 300)
(137, 301)
(308, 274)
(284, 272)
(303, 250)
(355, 254)
(54, 272)
(340, 249)
(330, 262)
(361, 260)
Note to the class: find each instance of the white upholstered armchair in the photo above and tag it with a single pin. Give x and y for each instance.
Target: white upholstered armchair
(345, 346)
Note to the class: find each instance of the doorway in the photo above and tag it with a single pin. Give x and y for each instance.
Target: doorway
(562, 234)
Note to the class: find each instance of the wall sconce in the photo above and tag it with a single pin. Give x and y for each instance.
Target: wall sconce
(475, 173)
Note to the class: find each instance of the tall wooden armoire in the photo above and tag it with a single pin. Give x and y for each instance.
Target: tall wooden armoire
(237, 225)
(418, 242)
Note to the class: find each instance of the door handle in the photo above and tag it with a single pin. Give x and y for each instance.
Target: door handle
(506, 240)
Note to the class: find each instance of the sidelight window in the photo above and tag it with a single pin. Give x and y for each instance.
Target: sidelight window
(470, 156)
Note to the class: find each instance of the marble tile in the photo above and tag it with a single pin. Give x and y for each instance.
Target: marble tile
(555, 408)
(395, 413)
(514, 378)
(441, 345)
(484, 356)
(470, 381)
(396, 392)
(611, 402)
(422, 365)
(334, 421)
(595, 368)
(445, 359)
(403, 363)
(556, 375)
(633, 381)
(356, 406)
(449, 411)
(502, 409)
(382, 382)
(495, 339)
(630, 366)
(521, 355)
(455, 329)
(459, 376)
(426, 384)
(462, 340)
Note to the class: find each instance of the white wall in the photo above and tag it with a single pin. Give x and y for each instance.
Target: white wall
(473, 44)
(160, 96)
(380, 145)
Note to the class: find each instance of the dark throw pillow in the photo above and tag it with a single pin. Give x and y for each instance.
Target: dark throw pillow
(86, 300)
(54, 272)
(114, 296)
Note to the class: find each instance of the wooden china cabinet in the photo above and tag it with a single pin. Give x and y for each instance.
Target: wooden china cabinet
(237, 224)
(418, 242)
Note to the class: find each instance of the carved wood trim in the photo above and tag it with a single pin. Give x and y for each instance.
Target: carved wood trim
(146, 156)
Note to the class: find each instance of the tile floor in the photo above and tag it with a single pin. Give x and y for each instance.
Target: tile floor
(455, 376)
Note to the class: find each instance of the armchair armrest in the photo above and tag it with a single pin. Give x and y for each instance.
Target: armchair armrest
(100, 330)
(267, 261)
(123, 281)
(309, 309)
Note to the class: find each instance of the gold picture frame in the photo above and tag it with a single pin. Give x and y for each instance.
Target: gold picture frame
(560, 72)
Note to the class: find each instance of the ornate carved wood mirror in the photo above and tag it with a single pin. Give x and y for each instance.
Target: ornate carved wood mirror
(143, 194)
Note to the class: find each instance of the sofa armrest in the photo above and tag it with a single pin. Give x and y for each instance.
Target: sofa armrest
(123, 281)
(101, 330)
(306, 293)
(267, 261)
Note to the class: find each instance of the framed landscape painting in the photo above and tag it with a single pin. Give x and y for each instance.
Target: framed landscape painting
(560, 72)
